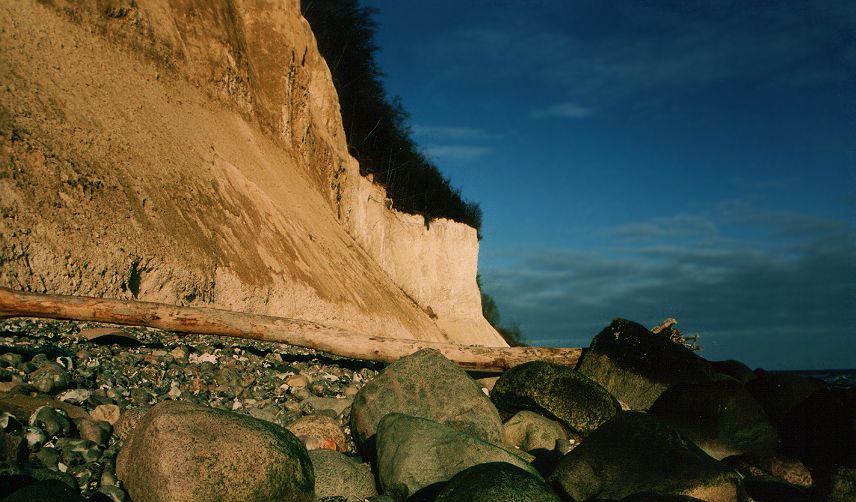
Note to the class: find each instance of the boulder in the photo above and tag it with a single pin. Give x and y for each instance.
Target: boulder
(734, 369)
(496, 481)
(531, 431)
(779, 393)
(780, 466)
(556, 391)
(656, 497)
(771, 489)
(48, 490)
(416, 454)
(634, 453)
(720, 417)
(838, 486)
(425, 384)
(636, 365)
(337, 475)
(820, 431)
(184, 451)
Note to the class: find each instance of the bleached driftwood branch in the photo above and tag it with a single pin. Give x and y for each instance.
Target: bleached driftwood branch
(210, 321)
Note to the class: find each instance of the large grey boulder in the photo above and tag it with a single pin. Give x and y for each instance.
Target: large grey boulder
(414, 453)
(182, 451)
(636, 365)
(634, 453)
(425, 384)
(337, 475)
(496, 481)
(720, 417)
(556, 391)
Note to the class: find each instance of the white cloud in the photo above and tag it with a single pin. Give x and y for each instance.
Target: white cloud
(785, 275)
(457, 152)
(453, 133)
(565, 110)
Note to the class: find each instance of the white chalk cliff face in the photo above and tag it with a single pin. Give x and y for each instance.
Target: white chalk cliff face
(192, 152)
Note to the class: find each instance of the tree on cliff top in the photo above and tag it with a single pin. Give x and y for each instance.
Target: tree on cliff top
(376, 126)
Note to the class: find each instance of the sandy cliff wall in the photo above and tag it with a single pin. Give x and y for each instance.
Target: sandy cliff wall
(191, 151)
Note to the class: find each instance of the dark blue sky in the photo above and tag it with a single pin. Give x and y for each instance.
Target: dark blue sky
(647, 160)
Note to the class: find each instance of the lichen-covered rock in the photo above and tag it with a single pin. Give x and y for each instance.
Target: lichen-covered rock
(337, 475)
(530, 431)
(720, 417)
(636, 365)
(426, 384)
(556, 391)
(496, 481)
(634, 453)
(182, 451)
(414, 454)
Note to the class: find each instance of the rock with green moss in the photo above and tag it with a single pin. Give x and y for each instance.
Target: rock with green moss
(416, 454)
(555, 391)
(635, 453)
(636, 365)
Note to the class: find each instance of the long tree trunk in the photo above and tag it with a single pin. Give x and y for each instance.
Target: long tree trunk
(298, 332)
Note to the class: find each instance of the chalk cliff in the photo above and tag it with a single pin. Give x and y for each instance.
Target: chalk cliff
(192, 152)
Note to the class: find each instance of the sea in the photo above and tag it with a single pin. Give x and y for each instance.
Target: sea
(835, 378)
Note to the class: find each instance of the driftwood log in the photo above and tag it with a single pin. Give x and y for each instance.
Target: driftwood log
(210, 321)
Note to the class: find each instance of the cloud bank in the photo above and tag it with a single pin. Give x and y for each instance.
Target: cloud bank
(772, 289)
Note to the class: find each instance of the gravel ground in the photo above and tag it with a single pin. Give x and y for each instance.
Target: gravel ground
(108, 370)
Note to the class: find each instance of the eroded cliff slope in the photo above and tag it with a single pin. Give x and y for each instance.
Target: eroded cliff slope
(192, 152)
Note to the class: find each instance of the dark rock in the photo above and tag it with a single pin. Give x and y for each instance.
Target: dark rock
(109, 494)
(656, 497)
(97, 432)
(556, 391)
(189, 452)
(635, 453)
(110, 336)
(496, 481)
(72, 449)
(425, 384)
(24, 406)
(50, 490)
(414, 454)
(785, 468)
(50, 378)
(530, 431)
(49, 457)
(734, 369)
(837, 486)
(779, 393)
(820, 431)
(51, 421)
(13, 447)
(636, 366)
(770, 489)
(339, 475)
(140, 396)
(720, 417)
(10, 423)
(315, 404)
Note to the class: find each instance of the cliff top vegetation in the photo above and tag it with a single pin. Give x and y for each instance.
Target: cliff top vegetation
(376, 126)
